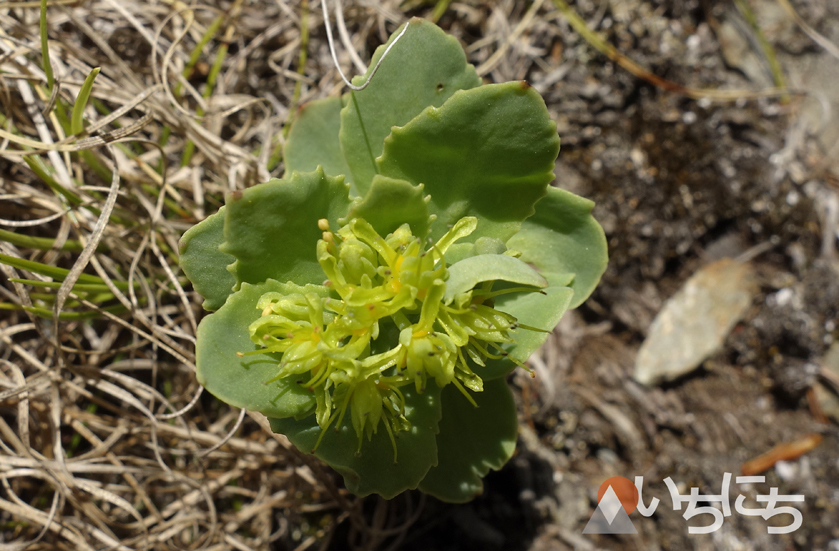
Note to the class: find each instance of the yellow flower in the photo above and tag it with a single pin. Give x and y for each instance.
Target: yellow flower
(391, 283)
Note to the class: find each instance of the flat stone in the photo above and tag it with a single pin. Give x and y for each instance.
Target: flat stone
(694, 323)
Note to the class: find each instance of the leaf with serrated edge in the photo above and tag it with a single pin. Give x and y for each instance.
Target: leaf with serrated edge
(563, 238)
(470, 272)
(488, 152)
(204, 264)
(391, 203)
(472, 441)
(241, 382)
(424, 68)
(272, 229)
(313, 139)
(373, 472)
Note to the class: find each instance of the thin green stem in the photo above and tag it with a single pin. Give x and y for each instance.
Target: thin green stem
(277, 153)
(53, 271)
(195, 54)
(439, 10)
(768, 50)
(212, 77)
(45, 50)
(77, 120)
(43, 243)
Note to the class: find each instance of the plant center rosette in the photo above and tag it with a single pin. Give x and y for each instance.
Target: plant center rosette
(372, 301)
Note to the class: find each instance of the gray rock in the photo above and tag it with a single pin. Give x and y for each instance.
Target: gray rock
(694, 323)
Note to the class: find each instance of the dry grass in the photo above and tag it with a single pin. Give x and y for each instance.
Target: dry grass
(107, 441)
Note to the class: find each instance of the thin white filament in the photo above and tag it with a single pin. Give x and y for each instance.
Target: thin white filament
(335, 56)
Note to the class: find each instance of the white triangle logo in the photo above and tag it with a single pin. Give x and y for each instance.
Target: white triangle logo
(610, 517)
(610, 504)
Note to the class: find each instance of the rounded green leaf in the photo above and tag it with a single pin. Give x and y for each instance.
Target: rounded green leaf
(541, 311)
(488, 152)
(469, 272)
(271, 229)
(561, 238)
(241, 381)
(204, 264)
(313, 139)
(373, 471)
(391, 203)
(424, 68)
(472, 441)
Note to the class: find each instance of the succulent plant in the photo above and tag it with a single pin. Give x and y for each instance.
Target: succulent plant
(372, 302)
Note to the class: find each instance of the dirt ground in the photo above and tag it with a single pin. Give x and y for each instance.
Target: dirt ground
(679, 179)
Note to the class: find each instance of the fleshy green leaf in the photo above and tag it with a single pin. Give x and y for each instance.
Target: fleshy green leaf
(424, 68)
(470, 272)
(532, 309)
(373, 472)
(204, 264)
(313, 139)
(563, 238)
(272, 229)
(391, 203)
(472, 441)
(535, 310)
(488, 152)
(241, 381)
(488, 245)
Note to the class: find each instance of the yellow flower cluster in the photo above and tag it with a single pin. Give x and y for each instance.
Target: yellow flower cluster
(381, 285)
